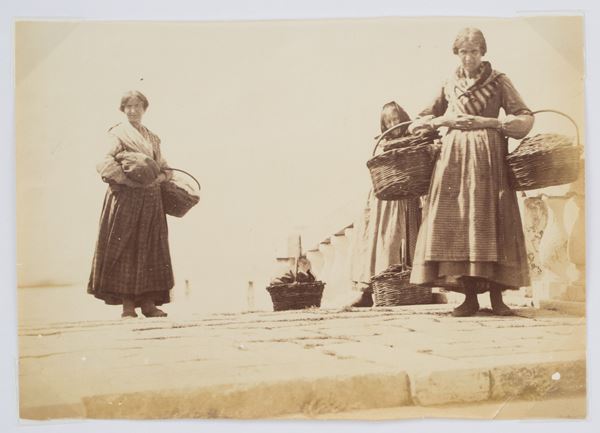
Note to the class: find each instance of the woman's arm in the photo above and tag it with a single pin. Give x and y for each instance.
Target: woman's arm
(519, 119)
(516, 126)
(432, 116)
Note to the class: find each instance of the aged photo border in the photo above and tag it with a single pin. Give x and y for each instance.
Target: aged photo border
(156, 10)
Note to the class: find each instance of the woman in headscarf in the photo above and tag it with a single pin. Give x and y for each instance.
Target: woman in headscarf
(471, 239)
(384, 224)
(132, 263)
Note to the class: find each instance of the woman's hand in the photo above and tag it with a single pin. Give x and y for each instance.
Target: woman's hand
(468, 122)
(159, 179)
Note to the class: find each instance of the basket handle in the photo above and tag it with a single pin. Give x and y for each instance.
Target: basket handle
(388, 131)
(564, 115)
(184, 172)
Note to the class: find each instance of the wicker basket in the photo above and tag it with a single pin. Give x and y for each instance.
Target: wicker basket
(296, 296)
(403, 172)
(409, 140)
(177, 201)
(391, 287)
(544, 160)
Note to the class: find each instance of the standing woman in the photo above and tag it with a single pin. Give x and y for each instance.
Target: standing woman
(384, 224)
(132, 263)
(471, 239)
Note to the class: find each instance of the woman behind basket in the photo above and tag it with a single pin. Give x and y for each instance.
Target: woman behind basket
(132, 263)
(384, 224)
(471, 239)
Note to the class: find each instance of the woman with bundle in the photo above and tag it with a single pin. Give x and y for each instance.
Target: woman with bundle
(132, 263)
(471, 239)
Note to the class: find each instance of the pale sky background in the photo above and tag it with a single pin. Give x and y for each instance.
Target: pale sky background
(275, 119)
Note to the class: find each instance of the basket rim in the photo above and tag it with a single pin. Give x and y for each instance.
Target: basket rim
(297, 283)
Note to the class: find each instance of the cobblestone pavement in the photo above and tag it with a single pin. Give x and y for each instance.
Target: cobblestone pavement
(311, 362)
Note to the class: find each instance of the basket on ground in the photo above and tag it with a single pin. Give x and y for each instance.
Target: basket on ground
(296, 296)
(392, 287)
(405, 170)
(544, 160)
(177, 197)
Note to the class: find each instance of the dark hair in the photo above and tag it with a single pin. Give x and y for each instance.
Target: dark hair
(469, 34)
(404, 117)
(133, 94)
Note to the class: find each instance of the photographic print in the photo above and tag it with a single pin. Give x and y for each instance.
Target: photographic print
(365, 219)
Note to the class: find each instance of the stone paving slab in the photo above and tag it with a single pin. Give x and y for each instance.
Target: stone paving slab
(266, 364)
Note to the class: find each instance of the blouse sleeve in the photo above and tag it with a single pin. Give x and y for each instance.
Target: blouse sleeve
(109, 169)
(437, 107)
(519, 119)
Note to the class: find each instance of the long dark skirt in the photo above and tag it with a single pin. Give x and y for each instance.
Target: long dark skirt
(132, 256)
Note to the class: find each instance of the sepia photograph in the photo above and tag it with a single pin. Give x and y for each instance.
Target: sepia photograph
(311, 219)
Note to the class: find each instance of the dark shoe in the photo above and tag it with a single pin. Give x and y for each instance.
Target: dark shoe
(150, 310)
(503, 310)
(128, 308)
(467, 308)
(365, 300)
(499, 308)
(156, 312)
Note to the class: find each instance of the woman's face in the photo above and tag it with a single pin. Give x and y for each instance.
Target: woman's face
(134, 110)
(470, 56)
(391, 118)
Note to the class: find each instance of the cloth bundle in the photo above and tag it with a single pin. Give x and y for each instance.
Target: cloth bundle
(138, 167)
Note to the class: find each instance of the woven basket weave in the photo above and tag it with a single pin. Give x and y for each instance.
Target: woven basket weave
(177, 201)
(544, 160)
(392, 287)
(296, 296)
(404, 171)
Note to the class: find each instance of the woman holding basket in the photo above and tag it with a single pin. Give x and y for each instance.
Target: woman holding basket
(471, 238)
(384, 224)
(132, 262)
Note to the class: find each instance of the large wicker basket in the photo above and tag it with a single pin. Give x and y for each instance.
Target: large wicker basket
(296, 296)
(404, 171)
(392, 287)
(177, 201)
(544, 160)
